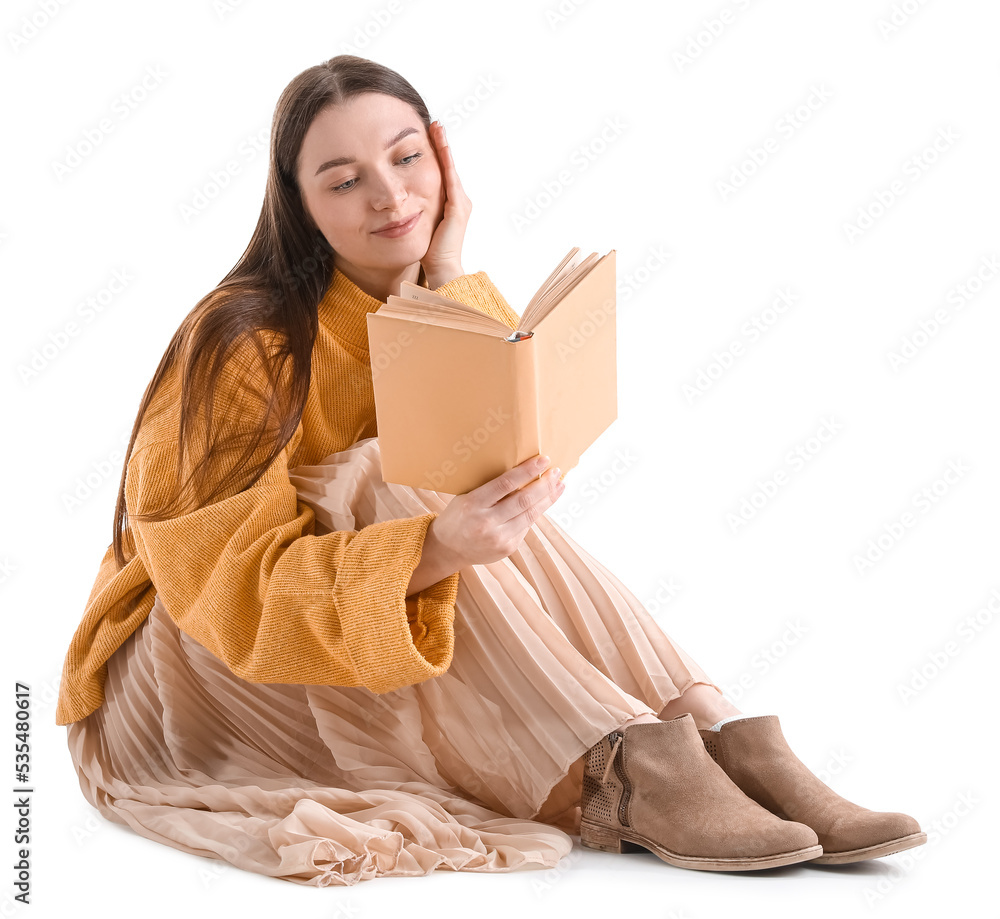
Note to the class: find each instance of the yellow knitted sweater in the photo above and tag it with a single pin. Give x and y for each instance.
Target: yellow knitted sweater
(246, 576)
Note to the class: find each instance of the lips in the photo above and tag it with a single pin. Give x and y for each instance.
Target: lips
(398, 227)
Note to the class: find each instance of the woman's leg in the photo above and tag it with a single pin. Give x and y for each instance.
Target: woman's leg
(704, 703)
(640, 719)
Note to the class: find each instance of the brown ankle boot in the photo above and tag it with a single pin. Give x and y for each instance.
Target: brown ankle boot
(654, 786)
(755, 755)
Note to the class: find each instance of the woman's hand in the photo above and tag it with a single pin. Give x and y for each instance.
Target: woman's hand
(487, 523)
(443, 260)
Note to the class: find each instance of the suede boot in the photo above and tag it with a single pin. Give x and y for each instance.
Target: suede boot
(654, 786)
(755, 755)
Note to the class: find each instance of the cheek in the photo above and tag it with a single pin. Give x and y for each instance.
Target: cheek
(325, 213)
(336, 217)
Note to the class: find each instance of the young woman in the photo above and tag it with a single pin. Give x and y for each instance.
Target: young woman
(288, 664)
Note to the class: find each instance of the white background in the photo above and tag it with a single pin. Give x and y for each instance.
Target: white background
(778, 609)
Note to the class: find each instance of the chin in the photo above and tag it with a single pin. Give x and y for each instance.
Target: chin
(413, 250)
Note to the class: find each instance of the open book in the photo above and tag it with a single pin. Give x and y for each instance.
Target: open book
(460, 397)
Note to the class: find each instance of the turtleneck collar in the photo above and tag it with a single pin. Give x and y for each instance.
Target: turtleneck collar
(345, 307)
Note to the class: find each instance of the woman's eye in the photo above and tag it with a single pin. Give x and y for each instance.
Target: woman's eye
(406, 161)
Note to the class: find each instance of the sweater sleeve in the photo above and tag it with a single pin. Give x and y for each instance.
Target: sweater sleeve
(247, 578)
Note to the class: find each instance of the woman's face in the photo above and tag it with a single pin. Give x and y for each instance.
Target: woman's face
(364, 164)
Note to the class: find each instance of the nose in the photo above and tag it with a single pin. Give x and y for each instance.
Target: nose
(388, 192)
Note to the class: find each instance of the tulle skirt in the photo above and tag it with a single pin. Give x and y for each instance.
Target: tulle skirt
(479, 769)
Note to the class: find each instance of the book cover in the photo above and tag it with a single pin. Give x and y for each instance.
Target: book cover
(460, 397)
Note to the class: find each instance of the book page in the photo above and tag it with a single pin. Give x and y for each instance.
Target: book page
(556, 288)
(569, 262)
(438, 309)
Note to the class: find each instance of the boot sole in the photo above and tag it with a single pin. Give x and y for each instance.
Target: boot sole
(876, 851)
(606, 839)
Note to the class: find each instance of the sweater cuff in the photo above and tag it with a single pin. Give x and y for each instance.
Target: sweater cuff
(416, 644)
(424, 615)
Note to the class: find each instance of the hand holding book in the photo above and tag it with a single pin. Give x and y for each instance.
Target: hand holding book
(487, 523)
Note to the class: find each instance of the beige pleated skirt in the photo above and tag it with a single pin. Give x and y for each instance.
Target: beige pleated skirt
(479, 769)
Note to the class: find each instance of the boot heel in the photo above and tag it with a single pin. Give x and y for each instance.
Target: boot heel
(604, 838)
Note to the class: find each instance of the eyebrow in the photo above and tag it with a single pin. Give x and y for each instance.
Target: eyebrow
(347, 160)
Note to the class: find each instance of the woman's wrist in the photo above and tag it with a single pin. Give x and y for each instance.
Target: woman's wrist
(441, 275)
(435, 564)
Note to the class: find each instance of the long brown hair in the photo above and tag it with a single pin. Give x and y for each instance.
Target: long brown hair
(275, 289)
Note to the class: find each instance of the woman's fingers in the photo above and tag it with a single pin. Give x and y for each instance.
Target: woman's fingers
(445, 159)
(506, 489)
(489, 522)
(449, 174)
(445, 248)
(452, 183)
(519, 511)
